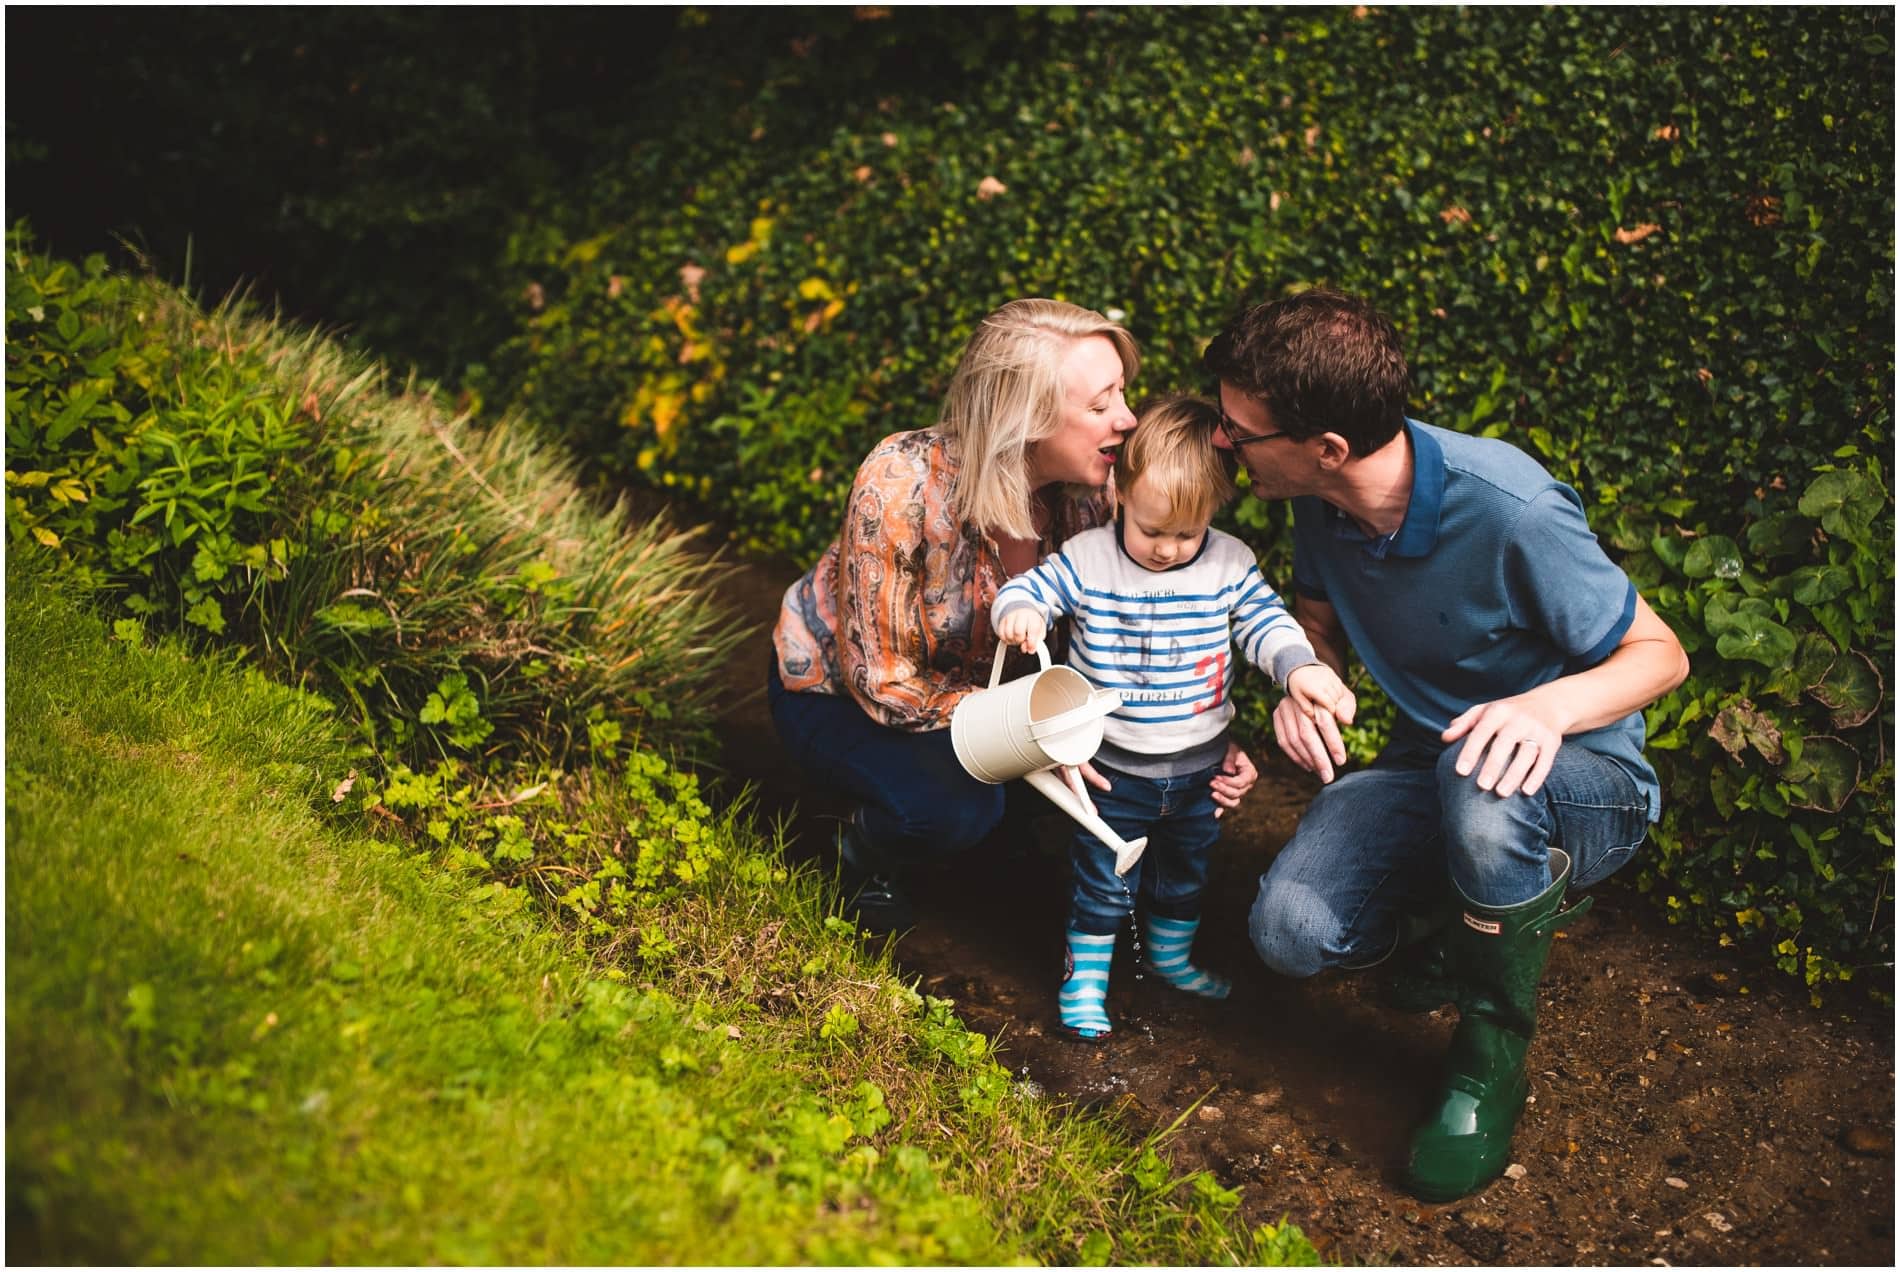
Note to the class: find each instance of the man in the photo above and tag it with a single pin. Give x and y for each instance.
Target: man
(1519, 657)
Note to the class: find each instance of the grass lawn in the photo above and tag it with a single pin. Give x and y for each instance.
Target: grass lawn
(237, 1035)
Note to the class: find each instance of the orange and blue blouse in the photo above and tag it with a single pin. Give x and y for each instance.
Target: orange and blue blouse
(897, 611)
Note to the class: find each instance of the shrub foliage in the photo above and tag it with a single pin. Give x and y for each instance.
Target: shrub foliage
(1652, 248)
(228, 476)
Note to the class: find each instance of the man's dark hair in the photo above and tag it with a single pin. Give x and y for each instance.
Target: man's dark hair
(1323, 362)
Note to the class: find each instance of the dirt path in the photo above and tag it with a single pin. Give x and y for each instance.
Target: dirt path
(1685, 1110)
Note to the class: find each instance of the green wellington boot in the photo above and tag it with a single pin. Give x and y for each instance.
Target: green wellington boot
(1495, 959)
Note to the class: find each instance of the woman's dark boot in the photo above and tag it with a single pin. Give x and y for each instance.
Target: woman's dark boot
(868, 882)
(1494, 960)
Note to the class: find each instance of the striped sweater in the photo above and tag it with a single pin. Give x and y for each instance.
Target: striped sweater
(1162, 640)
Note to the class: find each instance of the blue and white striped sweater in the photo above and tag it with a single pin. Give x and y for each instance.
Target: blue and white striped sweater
(1162, 640)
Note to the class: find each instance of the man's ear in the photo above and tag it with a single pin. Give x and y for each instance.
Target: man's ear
(1334, 451)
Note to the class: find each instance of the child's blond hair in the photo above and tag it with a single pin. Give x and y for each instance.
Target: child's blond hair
(1172, 448)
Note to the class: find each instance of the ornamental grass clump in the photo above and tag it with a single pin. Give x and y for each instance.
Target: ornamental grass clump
(226, 473)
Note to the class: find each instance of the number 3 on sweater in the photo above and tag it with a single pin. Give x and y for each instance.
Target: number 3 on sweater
(1217, 682)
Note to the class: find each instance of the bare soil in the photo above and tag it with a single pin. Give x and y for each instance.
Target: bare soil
(1686, 1108)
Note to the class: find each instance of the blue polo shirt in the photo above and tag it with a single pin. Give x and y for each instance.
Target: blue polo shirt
(1492, 586)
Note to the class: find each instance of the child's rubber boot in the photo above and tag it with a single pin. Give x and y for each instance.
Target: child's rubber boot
(1495, 957)
(1166, 943)
(1082, 1002)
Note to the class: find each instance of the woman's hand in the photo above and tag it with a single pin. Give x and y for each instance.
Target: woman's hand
(1024, 628)
(1236, 777)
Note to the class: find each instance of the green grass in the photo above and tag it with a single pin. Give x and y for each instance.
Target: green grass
(241, 1030)
(234, 1037)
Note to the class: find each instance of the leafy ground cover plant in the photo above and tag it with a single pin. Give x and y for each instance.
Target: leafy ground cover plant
(223, 473)
(1652, 249)
(399, 1063)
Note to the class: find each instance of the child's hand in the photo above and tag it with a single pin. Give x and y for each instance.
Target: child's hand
(1022, 627)
(1319, 691)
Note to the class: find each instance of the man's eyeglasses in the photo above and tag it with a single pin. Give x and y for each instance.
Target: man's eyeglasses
(1237, 440)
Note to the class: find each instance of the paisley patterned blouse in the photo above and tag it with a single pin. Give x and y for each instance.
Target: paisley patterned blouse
(896, 612)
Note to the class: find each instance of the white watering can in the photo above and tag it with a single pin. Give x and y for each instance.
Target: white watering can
(1033, 725)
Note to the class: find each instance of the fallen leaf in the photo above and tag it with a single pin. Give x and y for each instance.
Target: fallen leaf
(343, 788)
(1515, 1171)
(1668, 132)
(690, 274)
(1762, 210)
(889, 139)
(1638, 234)
(989, 187)
(615, 285)
(1455, 215)
(1715, 1220)
(861, 173)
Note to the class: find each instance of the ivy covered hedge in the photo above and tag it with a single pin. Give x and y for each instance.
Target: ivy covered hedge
(1653, 248)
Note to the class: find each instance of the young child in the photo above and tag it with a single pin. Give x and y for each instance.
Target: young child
(1158, 601)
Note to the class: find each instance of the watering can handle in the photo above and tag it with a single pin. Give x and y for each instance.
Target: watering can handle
(1002, 647)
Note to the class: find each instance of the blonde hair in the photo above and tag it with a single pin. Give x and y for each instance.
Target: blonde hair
(1172, 448)
(1007, 393)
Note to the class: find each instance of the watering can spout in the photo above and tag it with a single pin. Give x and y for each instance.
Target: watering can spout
(1127, 851)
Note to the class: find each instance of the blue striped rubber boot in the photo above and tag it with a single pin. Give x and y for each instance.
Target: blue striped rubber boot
(1166, 953)
(1083, 1000)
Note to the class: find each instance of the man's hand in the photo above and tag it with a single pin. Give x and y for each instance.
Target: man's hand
(1516, 739)
(1236, 777)
(1313, 744)
(1023, 627)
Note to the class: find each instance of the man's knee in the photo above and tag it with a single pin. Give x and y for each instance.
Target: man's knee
(1292, 928)
(1491, 840)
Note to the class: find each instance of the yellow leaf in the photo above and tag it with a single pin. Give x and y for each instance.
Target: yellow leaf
(46, 536)
(814, 289)
(739, 253)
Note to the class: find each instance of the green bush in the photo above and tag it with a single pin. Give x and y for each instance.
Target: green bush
(1654, 249)
(231, 476)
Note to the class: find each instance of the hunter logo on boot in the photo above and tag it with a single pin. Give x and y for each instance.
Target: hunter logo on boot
(1484, 926)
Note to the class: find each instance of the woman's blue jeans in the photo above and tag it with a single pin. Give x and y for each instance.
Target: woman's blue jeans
(1380, 843)
(918, 803)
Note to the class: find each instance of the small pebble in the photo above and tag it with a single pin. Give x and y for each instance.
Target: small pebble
(1675, 1182)
(1209, 1113)
(1515, 1171)
(1867, 1141)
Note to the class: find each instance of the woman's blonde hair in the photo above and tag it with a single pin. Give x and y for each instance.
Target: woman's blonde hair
(1172, 449)
(1007, 393)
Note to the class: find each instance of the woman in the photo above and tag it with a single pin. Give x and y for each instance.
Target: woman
(880, 641)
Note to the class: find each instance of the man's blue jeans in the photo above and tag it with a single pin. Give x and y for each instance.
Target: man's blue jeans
(918, 803)
(1177, 816)
(1382, 842)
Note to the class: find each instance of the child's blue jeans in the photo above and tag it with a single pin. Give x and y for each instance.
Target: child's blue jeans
(1177, 816)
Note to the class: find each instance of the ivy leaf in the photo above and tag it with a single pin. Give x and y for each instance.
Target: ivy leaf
(1818, 584)
(1742, 725)
(1756, 639)
(1779, 535)
(1853, 690)
(1845, 503)
(1825, 775)
(1713, 555)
